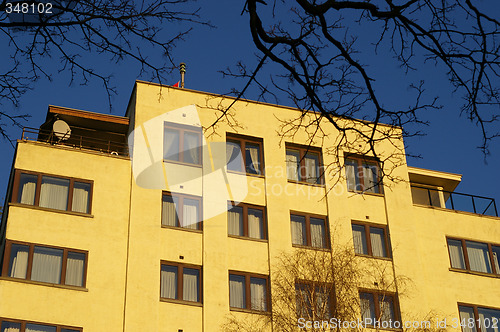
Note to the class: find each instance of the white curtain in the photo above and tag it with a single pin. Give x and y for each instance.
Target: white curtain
(351, 174)
(456, 254)
(74, 269)
(54, 193)
(168, 287)
(478, 257)
(255, 224)
(258, 294)
(378, 242)
(40, 328)
(367, 304)
(322, 303)
(171, 144)
(234, 158)
(490, 319)
(190, 285)
(318, 233)
(236, 291)
(80, 202)
(47, 264)
(27, 186)
(311, 164)
(191, 148)
(168, 212)
(292, 165)
(359, 239)
(190, 213)
(467, 313)
(496, 259)
(298, 230)
(19, 261)
(386, 308)
(253, 165)
(235, 221)
(370, 178)
(11, 327)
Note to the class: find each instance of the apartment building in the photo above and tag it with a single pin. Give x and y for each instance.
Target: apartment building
(148, 222)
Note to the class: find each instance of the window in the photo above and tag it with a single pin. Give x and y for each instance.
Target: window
(246, 220)
(244, 155)
(314, 301)
(303, 164)
(181, 211)
(45, 264)
(180, 282)
(362, 175)
(474, 256)
(52, 192)
(14, 325)
(248, 291)
(377, 308)
(479, 319)
(309, 230)
(370, 240)
(182, 143)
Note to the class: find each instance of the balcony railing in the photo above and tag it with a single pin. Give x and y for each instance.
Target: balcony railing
(454, 201)
(77, 141)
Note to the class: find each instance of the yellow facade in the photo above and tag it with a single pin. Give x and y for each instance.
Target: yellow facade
(126, 242)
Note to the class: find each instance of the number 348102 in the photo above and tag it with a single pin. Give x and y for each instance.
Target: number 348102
(28, 8)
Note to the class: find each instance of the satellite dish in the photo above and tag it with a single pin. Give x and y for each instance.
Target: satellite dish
(61, 130)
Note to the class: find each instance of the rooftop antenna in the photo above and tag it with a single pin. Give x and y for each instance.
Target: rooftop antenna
(182, 69)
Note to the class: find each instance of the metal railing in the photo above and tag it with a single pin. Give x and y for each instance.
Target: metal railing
(454, 201)
(76, 141)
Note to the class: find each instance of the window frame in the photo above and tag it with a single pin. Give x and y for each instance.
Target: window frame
(23, 324)
(308, 217)
(361, 161)
(245, 207)
(475, 308)
(181, 197)
(368, 243)
(376, 294)
(242, 141)
(31, 246)
(467, 268)
(303, 150)
(182, 128)
(180, 282)
(248, 294)
(308, 284)
(40, 175)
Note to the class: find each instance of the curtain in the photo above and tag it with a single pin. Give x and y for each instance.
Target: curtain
(298, 230)
(367, 304)
(80, 202)
(351, 174)
(292, 165)
(490, 319)
(233, 156)
(237, 291)
(40, 328)
(370, 178)
(235, 221)
(190, 278)
(359, 239)
(190, 213)
(255, 224)
(303, 302)
(27, 188)
(47, 263)
(478, 256)
(54, 193)
(253, 158)
(377, 241)
(11, 327)
(19, 261)
(318, 233)
(386, 308)
(191, 148)
(467, 313)
(168, 213)
(496, 258)
(168, 287)
(171, 144)
(456, 254)
(258, 294)
(311, 163)
(74, 269)
(322, 303)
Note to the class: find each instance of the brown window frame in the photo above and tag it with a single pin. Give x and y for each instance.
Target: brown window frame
(476, 314)
(303, 150)
(248, 294)
(308, 217)
(180, 281)
(242, 141)
(23, 324)
(361, 161)
(494, 271)
(316, 285)
(31, 246)
(245, 208)
(181, 128)
(368, 243)
(15, 191)
(395, 302)
(181, 197)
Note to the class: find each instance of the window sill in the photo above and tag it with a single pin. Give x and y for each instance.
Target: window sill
(182, 163)
(374, 257)
(194, 304)
(307, 183)
(249, 311)
(34, 207)
(76, 288)
(261, 176)
(199, 231)
(298, 246)
(439, 208)
(247, 238)
(482, 274)
(366, 193)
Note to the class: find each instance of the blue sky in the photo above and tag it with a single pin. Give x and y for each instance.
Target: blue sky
(451, 141)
